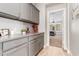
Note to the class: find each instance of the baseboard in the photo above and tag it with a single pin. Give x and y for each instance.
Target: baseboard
(68, 51)
(46, 45)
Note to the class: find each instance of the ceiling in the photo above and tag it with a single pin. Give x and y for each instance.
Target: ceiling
(47, 4)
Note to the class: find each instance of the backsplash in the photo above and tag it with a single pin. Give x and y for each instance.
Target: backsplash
(14, 26)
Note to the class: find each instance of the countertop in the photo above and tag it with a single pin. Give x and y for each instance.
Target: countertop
(16, 36)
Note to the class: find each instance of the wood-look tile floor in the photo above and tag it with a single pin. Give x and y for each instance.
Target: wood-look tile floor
(56, 41)
(52, 51)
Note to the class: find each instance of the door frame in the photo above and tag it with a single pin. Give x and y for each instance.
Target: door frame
(64, 23)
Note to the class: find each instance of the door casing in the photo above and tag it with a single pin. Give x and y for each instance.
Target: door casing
(64, 23)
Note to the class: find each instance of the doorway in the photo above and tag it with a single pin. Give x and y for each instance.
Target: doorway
(56, 28)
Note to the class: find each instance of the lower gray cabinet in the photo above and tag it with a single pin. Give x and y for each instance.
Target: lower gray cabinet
(29, 46)
(0, 49)
(19, 51)
(13, 43)
(41, 42)
(0, 54)
(36, 44)
(33, 47)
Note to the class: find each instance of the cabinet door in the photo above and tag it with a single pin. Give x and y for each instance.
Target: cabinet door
(0, 54)
(25, 12)
(36, 44)
(35, 15)
(10, 8)
(0, 49)
(33, 47)
(12, 44)
(41, 42)
(19, 51)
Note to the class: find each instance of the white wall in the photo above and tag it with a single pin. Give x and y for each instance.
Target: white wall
(14, 25)
(74, 41)
(74, 32)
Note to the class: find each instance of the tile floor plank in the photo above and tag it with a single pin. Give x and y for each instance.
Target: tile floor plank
(52, 51)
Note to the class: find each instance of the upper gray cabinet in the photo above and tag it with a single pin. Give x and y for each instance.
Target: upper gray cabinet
(10, 8)
(35, 14)
(25, 11)
(29, 12)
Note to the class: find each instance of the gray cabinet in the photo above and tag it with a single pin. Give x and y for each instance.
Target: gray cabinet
(19, 51)
(24, 46)
(14, 43)
(25, 11)
(10, 8)
(35, 15)
(29, 12)
(0, 49)
(17, 47)
(33, 47)
(0, 54)
(41, 41)
(36, 44)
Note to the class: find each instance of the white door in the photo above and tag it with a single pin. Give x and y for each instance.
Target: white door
(56, 18)
(19, 51)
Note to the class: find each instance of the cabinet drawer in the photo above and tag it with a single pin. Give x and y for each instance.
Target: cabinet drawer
(22, 50)
(35, 36)
(11, 44)
(33, 48)
(36, 43)
(0, 48)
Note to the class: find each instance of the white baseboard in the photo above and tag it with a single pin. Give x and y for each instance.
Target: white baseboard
(46, 45)
(68, 51)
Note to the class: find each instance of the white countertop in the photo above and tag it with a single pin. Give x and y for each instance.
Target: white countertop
(16, 36)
